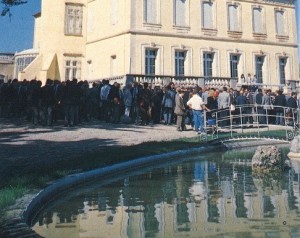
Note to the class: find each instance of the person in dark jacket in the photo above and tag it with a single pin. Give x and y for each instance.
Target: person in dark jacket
(179, 110)
(136, 100)
(34, 99)
(47, 103)
(259, 106)
(168, 103)
(156, 99)
(241, 101)
(145, 104)
(279, 103)
(291, 113)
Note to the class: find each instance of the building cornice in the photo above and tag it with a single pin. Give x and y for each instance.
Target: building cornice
(282, 3)
(197, 37)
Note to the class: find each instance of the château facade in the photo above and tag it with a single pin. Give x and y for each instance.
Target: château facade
(117, 39)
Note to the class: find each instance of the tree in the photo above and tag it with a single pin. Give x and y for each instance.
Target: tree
(7, 4)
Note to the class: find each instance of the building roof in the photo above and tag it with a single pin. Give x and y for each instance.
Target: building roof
(6, 58)
(27, 52)
(6, 54)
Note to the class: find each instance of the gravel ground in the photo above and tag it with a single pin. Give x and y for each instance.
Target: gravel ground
(26, 144)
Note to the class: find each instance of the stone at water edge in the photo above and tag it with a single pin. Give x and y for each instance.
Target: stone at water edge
(295, 148)
(268, 158)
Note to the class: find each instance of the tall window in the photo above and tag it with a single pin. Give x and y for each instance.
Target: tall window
(279, 17)
(180, 7)
(72, 68)
(259, 62)
(233, 24)
(150, 11)
(23, 62)
(179, 62)
(73, 19)
(234, 62)
(150, 59)
(207, 15)
(258, 20)
(282, 64)
(207, 64)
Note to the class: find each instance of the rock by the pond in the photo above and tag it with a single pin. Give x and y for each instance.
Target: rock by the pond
(295, 148)
(267, 158)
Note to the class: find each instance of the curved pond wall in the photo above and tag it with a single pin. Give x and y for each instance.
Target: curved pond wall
(19, 227)
(113, 172)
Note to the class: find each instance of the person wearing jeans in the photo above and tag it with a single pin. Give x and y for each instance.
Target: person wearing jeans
(198, 121)
(197, 105)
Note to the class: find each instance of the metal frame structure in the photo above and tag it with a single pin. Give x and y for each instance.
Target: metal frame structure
(251, 116)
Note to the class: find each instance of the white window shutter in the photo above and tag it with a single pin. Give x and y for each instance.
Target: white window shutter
(233, 18)
(150, 9)
(280, 22)
(257, 20)
(180, 6)
(207, 15)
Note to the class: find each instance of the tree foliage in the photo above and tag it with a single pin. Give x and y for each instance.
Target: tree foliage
(7, 4)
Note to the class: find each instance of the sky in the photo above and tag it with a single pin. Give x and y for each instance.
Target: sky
(16, 33)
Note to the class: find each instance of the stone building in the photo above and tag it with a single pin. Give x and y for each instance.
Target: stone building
(204, 42)
(6, 66)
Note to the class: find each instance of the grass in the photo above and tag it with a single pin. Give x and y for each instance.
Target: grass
(13, 186)
(9, 195)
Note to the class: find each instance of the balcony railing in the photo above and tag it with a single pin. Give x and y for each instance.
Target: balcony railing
(162, 80)
(192, 81)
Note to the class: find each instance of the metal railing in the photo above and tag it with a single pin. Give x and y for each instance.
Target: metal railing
(250, 116)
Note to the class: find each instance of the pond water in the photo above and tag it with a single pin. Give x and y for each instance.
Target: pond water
(214, 195)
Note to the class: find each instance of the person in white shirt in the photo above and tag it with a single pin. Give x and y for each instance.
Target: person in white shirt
(197, 105)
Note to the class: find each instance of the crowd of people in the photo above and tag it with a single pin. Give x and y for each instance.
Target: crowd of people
(74, 102)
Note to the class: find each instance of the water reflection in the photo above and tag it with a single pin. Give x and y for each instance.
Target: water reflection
(215, 197)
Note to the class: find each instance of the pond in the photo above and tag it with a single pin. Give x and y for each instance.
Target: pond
(213, 195)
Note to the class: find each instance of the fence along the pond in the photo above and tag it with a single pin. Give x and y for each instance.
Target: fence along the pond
(251, 116)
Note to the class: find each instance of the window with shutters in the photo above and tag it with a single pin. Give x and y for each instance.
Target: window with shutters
(179, 62)
(282, 73)
(233, 20)
(208, 64)
(150, 11)
(72, 68)
(234, 63)
(181, 12)
(207, 15)
(73, 19)
(259, 63)
(258, 24)
(150, 60)
(280, 26)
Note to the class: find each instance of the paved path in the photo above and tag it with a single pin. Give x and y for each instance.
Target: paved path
(25, 144)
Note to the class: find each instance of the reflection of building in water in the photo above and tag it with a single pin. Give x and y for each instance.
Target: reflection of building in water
(189, 199)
